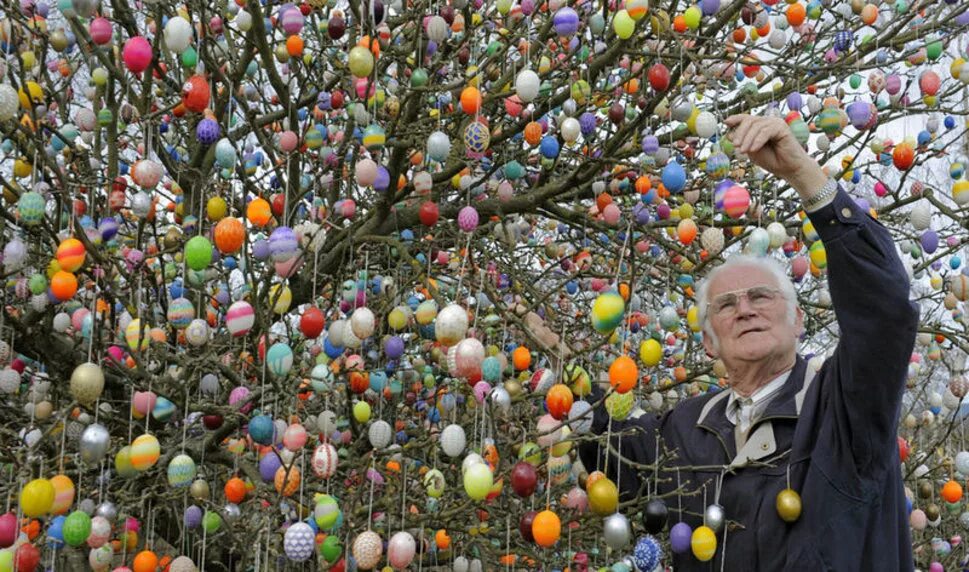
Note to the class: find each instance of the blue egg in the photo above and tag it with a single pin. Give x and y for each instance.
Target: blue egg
(924, 137)
(955, 262)
(55, 532)
(571, 287)
(674, 177)
(549, 147)
(949, 122)
(261, 429)
(330, 350)
(378, 380)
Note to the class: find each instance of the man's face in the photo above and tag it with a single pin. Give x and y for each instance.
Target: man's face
(750, 325)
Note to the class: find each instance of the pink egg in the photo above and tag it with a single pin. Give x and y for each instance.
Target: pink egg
(936, 567)
(115, 354)
(611, 214)
(289, 267)
(481, 390)
(100, 30)
(294, 437)
(239, 395)
(288, 141)
(736, 200)
(918, 520)
(880, 189)
(137, 54)
(143, 402)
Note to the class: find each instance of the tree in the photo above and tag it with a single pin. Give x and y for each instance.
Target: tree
(332, 262)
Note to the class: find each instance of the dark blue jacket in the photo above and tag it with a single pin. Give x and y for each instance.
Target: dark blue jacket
(835, 432)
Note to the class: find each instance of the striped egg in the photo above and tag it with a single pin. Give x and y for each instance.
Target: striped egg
(181, 471)
(180, 313)
(70, 254)
(144, 452)
(63, 493)
(240, 318)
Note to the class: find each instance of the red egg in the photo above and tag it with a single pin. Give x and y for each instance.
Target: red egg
(525, 525)
(524, 480)
(429, 213)
(659, 77)
(311, 322)
(195, 94)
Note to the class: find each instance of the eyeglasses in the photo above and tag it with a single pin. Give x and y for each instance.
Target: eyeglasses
(758, 297)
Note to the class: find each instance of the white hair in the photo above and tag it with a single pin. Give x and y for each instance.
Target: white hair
(768, 265)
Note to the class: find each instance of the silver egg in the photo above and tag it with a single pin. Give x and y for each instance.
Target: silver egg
(615, 530)
(86, 506)
(107, 510)
(231, 512)
(95, 441)
(713, 517)
(501, 398)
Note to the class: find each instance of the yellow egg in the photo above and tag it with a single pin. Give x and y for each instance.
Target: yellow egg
(650, 352)
(603, 497)
(788, 505)
(704, 543)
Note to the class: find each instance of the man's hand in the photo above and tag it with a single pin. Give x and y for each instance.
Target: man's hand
(769, 143)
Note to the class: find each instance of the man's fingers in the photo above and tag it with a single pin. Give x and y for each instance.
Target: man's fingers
(735, 120)
(758, 140)
(737, 137)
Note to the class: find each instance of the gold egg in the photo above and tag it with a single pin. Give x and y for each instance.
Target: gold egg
(925, 489)
(788, 505)
(932, 512)
(513, 388)
(200, 489)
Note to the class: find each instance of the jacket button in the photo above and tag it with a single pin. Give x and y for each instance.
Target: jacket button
(846, 212)
(765, 446)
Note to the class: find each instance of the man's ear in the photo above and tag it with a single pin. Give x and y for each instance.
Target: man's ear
(708, 344)
(798, 322)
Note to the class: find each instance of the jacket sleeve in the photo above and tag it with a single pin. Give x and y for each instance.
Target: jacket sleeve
(634, 438)
(870, 293)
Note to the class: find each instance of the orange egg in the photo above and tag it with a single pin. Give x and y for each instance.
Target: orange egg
(442, 539)
(294, 46)
(63, 285)
(235, 490)
(952, 491)
(533, 133)
(603, 200)
(796, 13)
(230, 234)
(679, 24)
(521, 358)
(546, 528)
(145, 561)
(558, 400)
(259, 212)
(623, 374)
(470, 100)
(643, 185)
(739, 35)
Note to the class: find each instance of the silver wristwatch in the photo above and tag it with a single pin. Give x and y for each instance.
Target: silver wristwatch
(827, 191)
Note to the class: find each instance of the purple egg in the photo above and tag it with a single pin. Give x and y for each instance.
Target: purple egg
(680, 536)
(566, 21)
(587, 124)
(794, 101)
(193, 517)
(207, 131)
(528, 7)
(283, 244)
(394, 347)
(640, 213)
(383, 179)
(663, 211)
(859, 112)
(893, 84)
(930, 241)
(710, 7)
(260, 249)
(650, 144)
(268, 466)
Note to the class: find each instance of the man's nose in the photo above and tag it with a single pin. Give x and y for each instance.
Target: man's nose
(744, 307)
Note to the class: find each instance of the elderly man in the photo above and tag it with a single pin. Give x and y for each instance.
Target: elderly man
(826, 430)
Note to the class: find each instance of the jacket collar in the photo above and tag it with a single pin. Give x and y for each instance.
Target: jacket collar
(785, 405)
